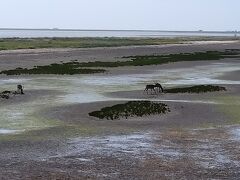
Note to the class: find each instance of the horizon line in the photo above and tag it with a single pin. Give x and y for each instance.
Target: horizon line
(143, 30)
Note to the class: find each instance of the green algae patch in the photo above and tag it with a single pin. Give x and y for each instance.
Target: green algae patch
(64, 132)
(23, 119)
(171, 58)
(196, 89)
(230, 105)
(131, 109)
(70, 68)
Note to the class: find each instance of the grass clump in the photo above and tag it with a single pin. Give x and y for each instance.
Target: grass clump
(70, 68)
(196, 89)
(131, 109)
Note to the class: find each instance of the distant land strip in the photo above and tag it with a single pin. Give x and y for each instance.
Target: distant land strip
(91, 42)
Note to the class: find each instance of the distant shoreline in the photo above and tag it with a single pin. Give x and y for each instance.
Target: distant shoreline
(14, 43)
(83, 33)
(118, 30)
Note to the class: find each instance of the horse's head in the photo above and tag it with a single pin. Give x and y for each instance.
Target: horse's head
(19, 86)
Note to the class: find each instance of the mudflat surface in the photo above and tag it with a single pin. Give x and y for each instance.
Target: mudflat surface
(28, 58)
(47, 132)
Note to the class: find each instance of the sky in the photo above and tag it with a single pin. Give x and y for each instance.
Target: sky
(214, 15)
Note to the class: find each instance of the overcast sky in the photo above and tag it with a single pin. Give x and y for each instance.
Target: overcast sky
(121, 14)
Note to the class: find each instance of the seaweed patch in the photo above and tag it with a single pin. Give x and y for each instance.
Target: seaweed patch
(196, 89)
(131, 109)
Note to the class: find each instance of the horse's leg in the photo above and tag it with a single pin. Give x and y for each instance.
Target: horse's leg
(146, 90)
(155, 91)
(161, 88)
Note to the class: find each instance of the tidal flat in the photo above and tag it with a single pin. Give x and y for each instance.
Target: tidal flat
(48, 133)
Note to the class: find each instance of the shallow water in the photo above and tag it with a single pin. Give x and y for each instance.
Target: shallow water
(9, 131)
(30, 33)
(91, 88)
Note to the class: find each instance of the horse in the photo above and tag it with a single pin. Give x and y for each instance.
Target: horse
(159, 87)
(20, 89)
(150, 87)
(153, 86)
(7, 94)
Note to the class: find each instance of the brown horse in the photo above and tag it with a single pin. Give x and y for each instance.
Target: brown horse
(20, 89)
(152, 87)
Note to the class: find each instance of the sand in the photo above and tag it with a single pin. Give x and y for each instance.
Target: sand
(198, 139)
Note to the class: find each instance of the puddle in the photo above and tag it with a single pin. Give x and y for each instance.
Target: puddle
(8, 131)
(84, 159)
(13, 81)
(84, 97)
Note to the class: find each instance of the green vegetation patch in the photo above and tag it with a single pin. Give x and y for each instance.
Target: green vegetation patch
(64, 68)
(196, 89)
(198, 56)
(163, 59)
(36, 43)
(131, 109)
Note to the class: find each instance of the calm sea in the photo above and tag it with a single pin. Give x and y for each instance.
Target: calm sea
(27, 33)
